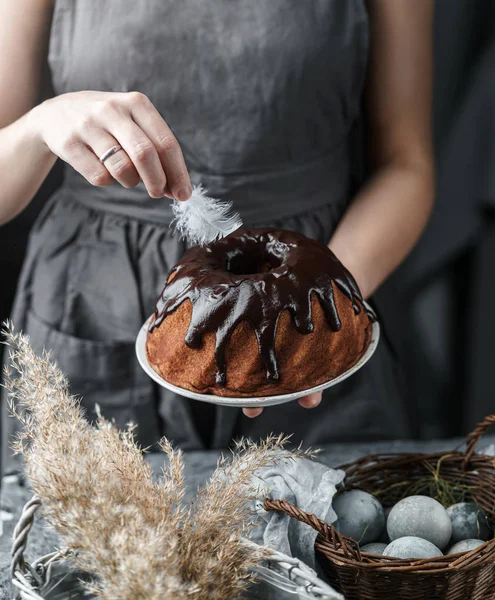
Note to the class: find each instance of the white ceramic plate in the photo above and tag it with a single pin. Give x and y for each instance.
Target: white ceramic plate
(249, 402)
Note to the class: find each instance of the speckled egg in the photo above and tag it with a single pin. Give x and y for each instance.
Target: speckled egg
(411, 547)
(468, 522)
(422, 517)
(465, 546)
(374, 548)
(359, 516)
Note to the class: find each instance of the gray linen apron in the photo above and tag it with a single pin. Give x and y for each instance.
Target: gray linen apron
(263, 96)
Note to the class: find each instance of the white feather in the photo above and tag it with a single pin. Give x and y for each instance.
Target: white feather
(201, 219)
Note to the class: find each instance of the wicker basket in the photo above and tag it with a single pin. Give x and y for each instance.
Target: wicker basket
(52, 577)
(359, 576)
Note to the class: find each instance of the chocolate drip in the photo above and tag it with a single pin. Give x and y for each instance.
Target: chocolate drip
(254, 275)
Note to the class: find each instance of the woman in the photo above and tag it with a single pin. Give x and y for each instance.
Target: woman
(264, 100)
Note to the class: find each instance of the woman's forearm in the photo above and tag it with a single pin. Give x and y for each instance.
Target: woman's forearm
(384, 222)
(25, 161)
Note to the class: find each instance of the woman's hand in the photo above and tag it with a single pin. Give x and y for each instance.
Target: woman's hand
(79, 127)
(310, 401)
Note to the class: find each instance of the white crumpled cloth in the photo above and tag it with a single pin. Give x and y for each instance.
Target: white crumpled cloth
(306, 484)
(487, 450)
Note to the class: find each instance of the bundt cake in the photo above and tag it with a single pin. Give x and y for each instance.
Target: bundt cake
(260, 312)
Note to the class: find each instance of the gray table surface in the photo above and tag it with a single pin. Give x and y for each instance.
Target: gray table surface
(198, 467)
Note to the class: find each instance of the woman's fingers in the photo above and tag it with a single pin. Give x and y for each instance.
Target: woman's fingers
(143, 154)
(150, 121)
(119, 165)
(311, 400)
(85, 162)
(252, 412)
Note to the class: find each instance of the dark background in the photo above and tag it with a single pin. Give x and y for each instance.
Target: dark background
(442, 300)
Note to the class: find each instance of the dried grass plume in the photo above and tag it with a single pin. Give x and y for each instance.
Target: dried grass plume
(136, 535)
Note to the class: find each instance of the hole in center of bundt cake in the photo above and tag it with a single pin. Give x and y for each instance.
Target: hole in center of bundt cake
(244, 263)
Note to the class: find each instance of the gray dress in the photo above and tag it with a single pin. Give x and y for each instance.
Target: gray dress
(263, 98)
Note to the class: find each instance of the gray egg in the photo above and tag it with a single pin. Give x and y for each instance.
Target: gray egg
(422, 517)
(374, 548)
(465, 546)
(411, 547)
(359, 516)
(468, 522)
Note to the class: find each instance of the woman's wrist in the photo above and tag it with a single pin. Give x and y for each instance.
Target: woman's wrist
(25, 161)
(34, 126)
(361, 272)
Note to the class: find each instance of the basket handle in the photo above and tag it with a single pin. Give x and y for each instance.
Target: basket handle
(349, 546)
(474, 437)
(20, 538)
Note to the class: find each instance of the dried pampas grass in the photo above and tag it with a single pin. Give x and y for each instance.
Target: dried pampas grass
(135, 535)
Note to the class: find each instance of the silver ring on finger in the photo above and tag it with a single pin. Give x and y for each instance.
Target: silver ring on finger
(110, 153)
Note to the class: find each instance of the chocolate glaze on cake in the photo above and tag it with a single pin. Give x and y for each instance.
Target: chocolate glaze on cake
(278, 270)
